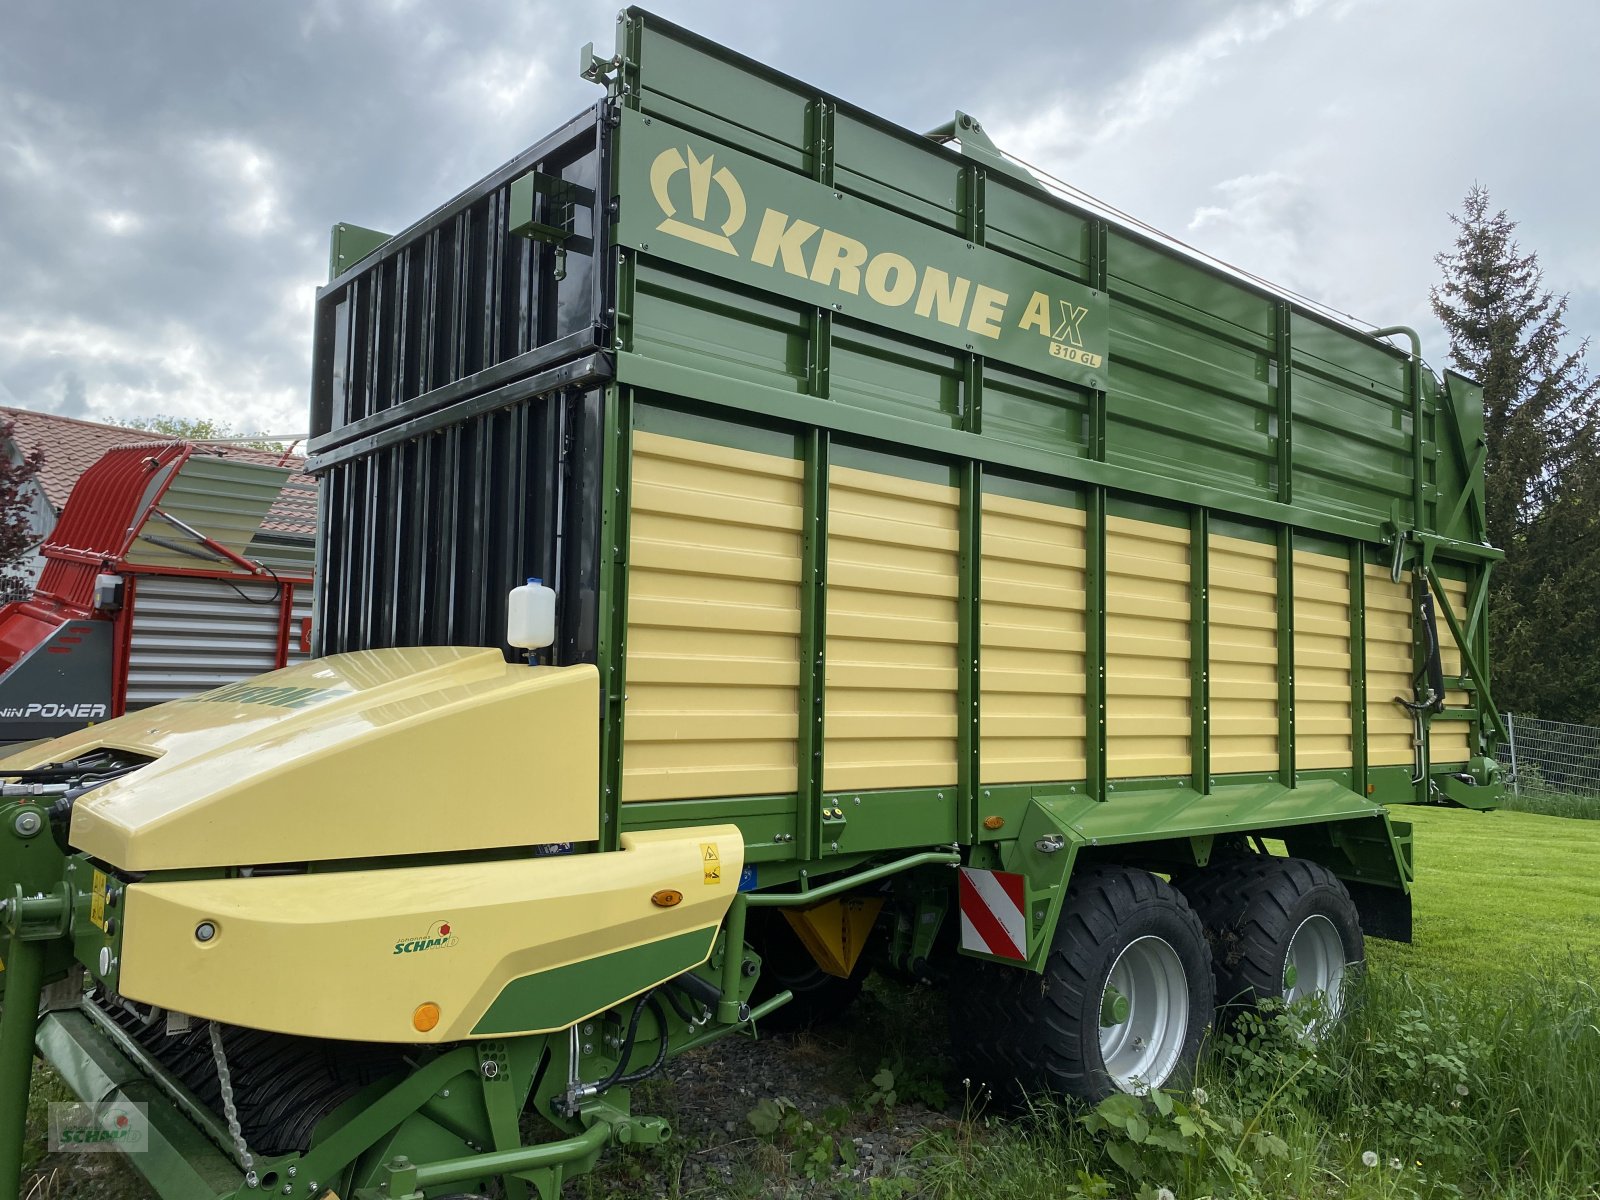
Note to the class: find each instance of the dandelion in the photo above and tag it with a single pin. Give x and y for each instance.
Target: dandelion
(1463, 1090)
(1165, 1194)
(1200, 1096)
(1369, 1158)
(1394, 1164)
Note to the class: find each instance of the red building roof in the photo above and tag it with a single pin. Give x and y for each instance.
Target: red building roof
(71, 446)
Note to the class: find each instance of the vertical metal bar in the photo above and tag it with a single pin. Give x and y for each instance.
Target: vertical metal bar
(1094, 640)
(280, 652)
(1484, 699)
(1284, 353)
(1414, 384)
(1199, 650)
(1286, 756)
(1511, 742)
(1098, 272)
(732, 961)
(323, 366)
(969, 639)
(813, 647)
(18, 1023)
(122, 644)
(811, 746)
(821, 338)
(1421, 723)
(822, 112)
(616, 474)
(1358, 667)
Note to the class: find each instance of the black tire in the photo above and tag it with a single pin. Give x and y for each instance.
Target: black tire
(787, 966)
(1252, 906)
(1015, 1033)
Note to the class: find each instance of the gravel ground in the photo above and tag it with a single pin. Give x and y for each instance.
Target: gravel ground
(709, 1094)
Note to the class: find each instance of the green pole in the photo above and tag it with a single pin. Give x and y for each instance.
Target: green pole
(18, 1022)
(732, 962)
(523, 1158)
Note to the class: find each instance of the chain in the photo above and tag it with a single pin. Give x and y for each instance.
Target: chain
(225, 1082)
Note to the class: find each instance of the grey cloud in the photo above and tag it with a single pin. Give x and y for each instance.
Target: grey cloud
(169, 170)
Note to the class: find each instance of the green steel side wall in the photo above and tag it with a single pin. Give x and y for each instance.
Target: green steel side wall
(1223, 406)
(1214, 392)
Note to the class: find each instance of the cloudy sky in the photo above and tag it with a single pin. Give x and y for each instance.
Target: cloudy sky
(169, 169)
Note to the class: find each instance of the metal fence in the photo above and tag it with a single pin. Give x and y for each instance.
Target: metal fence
(13, 587)
(1553, 758)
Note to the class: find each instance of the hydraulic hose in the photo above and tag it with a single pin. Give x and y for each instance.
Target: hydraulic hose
(618, 1075)
(661, 1048)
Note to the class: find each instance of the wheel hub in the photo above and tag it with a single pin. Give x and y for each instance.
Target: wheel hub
(1314, 966)
(1144, 1015)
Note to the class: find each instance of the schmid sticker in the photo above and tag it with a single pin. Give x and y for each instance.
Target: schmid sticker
(438, 936)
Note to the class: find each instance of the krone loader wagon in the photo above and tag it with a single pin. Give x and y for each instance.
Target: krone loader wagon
(947, 580)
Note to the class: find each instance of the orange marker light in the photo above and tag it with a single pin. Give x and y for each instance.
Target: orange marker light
(666, 898)
(425, 1017)
(993, 822)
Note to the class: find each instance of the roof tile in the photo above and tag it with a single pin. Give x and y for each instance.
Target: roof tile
(72, 445)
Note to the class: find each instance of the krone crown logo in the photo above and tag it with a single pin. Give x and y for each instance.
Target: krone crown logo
(666, 166)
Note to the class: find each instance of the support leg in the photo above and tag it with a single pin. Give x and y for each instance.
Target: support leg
(19, 1022)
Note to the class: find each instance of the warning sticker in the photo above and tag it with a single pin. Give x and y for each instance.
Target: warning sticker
(711, 861)
(97, 901)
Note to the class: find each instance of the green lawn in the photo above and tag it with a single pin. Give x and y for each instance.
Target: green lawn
(1498, 893)
(1465, 1067)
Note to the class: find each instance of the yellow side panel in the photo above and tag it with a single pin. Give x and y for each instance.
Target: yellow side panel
(891, 644)
(1388, 669)
(1450, 741)
(1243, 594)
(1323, 727)
(713, 621)
(1147, 649)
(1032, 641)
(488, 923)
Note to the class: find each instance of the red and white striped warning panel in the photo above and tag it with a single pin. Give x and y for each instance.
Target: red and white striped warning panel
(992, 920)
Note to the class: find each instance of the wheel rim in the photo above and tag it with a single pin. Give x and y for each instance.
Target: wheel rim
(1144, 1018)
(1314, 966)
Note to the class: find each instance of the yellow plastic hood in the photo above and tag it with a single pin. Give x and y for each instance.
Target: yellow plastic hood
(381, 752)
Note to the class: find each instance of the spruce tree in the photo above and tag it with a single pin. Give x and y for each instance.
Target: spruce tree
(1508, 331)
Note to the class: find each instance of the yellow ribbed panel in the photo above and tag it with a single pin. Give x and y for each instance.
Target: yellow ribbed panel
(1450, 741)
(1147, 649)
(1324, 732)
(713, 621)
(891, 646)
(1032, 641)
(1243, 594)
(1388, 668)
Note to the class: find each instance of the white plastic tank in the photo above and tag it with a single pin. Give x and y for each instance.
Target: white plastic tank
(531, 616)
